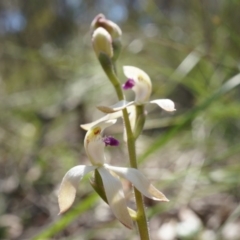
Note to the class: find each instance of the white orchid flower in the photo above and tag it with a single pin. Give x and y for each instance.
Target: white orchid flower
(140, 83)
(94, 145)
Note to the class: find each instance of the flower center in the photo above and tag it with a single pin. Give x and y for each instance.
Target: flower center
(129, 84)
(110, 141)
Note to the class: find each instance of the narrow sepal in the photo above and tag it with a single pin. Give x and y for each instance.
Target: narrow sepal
(116, 107)
(115, 197)
(97, 185)
(139, 181)
(110, 116)
(166, 104)
(68, 187)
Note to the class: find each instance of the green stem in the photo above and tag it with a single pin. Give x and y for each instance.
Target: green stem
(141, 215)
(140, 121)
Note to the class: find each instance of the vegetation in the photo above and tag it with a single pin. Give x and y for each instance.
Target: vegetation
(50, 82)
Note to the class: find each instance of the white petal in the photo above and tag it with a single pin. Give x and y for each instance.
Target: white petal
(95, 151)
(68, 188)
(116, 107)
(134, 73)
(165, 104)
(110, 116)
(105, 124)
(115, 197)
(143, 86)
(139, 181)
(88, 126)
(94, 144)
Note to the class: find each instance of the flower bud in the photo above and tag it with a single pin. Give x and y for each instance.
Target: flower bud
(112, 28)
(102, 42)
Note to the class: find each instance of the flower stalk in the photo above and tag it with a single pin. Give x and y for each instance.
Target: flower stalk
(141, 84)
(106, 178)
(108, 66)
(141, 218)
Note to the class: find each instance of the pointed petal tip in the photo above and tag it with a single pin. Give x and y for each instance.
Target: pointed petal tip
(165, 200)
(62, 211)
(105, 109)
(130, 226)
(166, 104)
(84, 127)
(116, 107)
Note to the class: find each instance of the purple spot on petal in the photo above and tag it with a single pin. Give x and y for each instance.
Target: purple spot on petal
(129, 84)
(110, 141)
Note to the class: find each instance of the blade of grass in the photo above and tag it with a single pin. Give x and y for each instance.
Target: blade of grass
(188, 63)
(61, 223)
(188, 117)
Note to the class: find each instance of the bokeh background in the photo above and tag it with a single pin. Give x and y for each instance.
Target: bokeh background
(51, 81)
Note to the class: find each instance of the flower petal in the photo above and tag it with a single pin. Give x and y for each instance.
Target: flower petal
(68, 188)
(105, 124)
(94, 144)
(134, 72)
(116, 107)
(95, 151)
(110, 116)
(139, 181)
(143, 84)
(165, 104)
(115, 197)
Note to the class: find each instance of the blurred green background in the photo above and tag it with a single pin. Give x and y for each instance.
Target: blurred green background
(51, 81)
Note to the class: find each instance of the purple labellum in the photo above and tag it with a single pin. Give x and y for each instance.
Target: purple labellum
(129, 84)
(110, 141)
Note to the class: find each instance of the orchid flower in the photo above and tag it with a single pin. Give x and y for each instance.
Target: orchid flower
(94, 145)
(140, 83)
